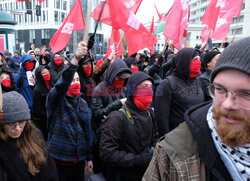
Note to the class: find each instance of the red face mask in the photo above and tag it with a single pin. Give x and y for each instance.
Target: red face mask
(6, 82)
(195, 68)
(99, 62)
(143, 97)
(87, 70)
(58, 61)
(46, 78)
(118, 83)
(134, 69)
(29, 65)
(74, 89)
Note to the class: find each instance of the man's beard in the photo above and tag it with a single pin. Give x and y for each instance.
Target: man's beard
(232, 135)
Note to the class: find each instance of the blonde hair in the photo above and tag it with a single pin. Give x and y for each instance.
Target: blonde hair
(32, 148)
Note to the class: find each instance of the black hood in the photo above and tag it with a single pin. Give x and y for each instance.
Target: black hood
(13, 83)
(129, 61)
(39, 77)
(54, 65)
(181, 62)
(116, 67)
(47, 59)
(135, 79)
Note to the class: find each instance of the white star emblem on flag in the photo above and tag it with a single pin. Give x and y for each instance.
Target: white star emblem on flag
(67, 28)
(133, 21)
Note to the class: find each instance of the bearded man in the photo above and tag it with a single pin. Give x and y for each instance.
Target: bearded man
(214, 141)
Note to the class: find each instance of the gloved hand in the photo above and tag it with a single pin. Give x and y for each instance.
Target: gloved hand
(144, 158)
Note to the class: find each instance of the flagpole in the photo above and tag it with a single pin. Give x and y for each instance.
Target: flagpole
(119, 42)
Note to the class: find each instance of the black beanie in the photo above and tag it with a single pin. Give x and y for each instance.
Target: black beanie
(209, 56)
(235, 56)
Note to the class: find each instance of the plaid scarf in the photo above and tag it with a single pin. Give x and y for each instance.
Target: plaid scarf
(237, 159)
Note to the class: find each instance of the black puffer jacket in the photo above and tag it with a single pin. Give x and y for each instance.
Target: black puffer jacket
(12, 166)
(121, 141)
(104, 99)
(205, 82)
(54, 70)
(171, 106)
(40, 93)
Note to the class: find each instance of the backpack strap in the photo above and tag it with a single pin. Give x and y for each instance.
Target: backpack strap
(171, 83)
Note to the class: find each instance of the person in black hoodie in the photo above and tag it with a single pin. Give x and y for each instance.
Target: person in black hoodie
(7, 81)
(131, 63)
(108, 96)
(40, 92)
(128, 136)
(55, 66)
(85, 71)
(170, 105)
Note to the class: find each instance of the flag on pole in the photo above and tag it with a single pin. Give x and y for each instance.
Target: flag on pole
(73, 22)
(137, 36)
(115, 39)
(177, 22)
(228, 9)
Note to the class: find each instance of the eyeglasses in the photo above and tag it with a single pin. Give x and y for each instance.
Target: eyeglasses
(241, 98)
(21, 124)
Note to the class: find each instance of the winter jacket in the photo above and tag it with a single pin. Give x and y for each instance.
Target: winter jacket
(105, 97)
(87, 83)
(25, 89)
(205, 82)
(13, 83)
(12, 166)
(188, 152)
(40, 93)
(153, 71)
(170, 105)
(70, 134)
(18, 61)
(98, 72)
(54, 70)
(10, 64)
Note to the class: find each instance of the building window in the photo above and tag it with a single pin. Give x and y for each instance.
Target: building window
(62, 16)
(45, 34)
(32, 34)
(57, 4)
(56, 16)
(64, 5)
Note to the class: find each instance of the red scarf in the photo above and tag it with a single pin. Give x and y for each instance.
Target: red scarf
(46, 78)
(74, 89)
(118, 83)
(195, 68)
(58, 61)
(99, 62)
(6, 82)
(143, 97)
(134, 69)
(87, 70)
(29, 65)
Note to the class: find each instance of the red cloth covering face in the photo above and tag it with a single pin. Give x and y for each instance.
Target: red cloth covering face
(74, 89)
(118, 83)
(195, 68)
(58, 61)
(6, 82)
(87, 70)
(143, 97)
(29, 65)
(46, 78)
(134, 69)
(99, 62)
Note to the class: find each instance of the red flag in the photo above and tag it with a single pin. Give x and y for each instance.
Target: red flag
(41, 1)
(177, 22)
(73, 22)
(106, 16)
(159, 15)
(152, 50)
(228, 9)
(115, 38)
(137, 36)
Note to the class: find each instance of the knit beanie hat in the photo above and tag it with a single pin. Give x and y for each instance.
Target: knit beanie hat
(235, 56)
(209, 56)
(15, 108)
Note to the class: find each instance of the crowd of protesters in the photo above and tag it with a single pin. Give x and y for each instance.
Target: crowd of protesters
(165, 116)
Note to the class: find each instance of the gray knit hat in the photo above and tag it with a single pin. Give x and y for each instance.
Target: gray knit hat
(15, 108)
(236, 56)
